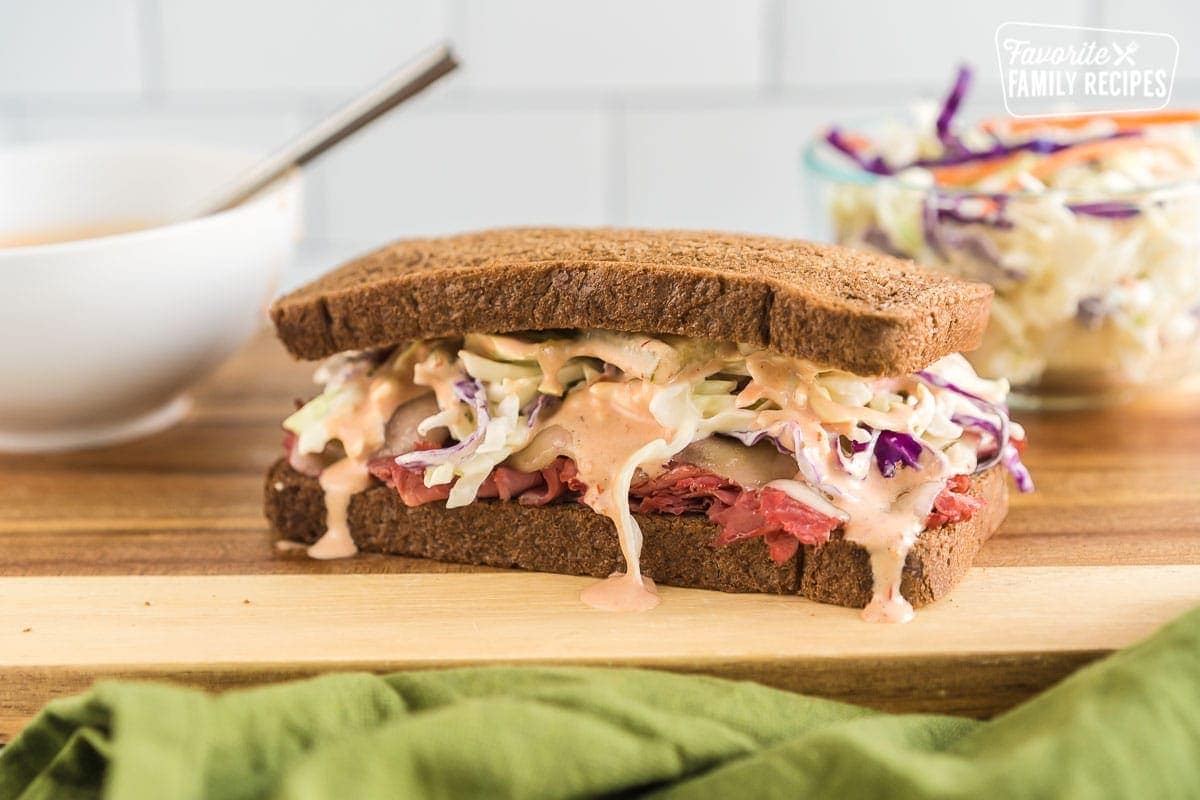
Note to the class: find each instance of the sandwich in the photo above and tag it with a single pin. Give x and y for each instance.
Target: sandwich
(715, 411)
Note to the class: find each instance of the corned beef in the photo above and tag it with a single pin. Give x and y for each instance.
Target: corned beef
(953, 504)
(782, 522)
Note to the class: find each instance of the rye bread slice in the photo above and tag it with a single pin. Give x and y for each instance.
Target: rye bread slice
(862, 312)
(571, 539)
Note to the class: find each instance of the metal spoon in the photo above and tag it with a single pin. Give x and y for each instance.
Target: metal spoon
(411, 79)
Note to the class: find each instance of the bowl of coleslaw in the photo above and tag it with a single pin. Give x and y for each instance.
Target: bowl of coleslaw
(1087, 227)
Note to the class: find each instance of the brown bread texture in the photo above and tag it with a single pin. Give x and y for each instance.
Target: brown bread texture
(572, 539)
(862, 312)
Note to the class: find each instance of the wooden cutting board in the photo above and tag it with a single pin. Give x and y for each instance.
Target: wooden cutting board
(151, 559)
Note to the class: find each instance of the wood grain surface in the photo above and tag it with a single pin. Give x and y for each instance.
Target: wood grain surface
(1105, 551)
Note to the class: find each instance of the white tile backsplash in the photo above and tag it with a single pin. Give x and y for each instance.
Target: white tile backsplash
(252, 131)
(916, 42)
(1178, 17)
(69, 47)
(727, 169)
(445, 171)
(646, 112)
(281, 45)
(615, 45)
(11, 130)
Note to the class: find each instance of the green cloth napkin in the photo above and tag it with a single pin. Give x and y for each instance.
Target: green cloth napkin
(1128, 726)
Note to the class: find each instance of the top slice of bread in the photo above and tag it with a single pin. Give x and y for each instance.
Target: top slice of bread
(865, 313)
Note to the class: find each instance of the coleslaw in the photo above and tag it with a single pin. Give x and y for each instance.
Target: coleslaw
(1088, 228)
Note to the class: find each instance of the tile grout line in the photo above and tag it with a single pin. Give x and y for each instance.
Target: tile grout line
(774, 46)
(45, 104)
(152, 56)
(217, 103)
(15, 117)
(455, 22)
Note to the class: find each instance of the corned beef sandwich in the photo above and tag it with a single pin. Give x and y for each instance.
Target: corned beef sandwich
(698, 409)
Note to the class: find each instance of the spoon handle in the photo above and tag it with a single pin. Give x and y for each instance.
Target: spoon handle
(407, 81)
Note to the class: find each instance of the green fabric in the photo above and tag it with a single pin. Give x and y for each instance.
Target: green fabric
(1128, 726)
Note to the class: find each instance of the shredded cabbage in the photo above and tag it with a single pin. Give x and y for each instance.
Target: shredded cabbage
(343, 377)
(836, 426)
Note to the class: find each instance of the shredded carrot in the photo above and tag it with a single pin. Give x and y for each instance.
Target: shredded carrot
(856, 140)
(1124, 122)
(972, 171)
(990, 206)
(1089, 151)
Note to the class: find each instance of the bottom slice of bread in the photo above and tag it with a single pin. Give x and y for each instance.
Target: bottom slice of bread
(572, 539)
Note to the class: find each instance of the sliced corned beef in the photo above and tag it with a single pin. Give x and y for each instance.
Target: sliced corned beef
(782, 522)
(555, 483)
(504, 483)
(953, 504)
(682, 489)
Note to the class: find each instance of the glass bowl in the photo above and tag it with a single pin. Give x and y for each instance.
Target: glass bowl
(1097, 298)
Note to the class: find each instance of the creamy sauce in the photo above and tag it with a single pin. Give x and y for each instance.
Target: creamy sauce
(618, 593)
(653, 355)
(361, 428)
(610, 432)
(440, 373)
(886, 517)
(340, 482)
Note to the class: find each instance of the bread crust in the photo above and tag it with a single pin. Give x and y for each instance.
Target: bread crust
(862, 312)
(571, 539)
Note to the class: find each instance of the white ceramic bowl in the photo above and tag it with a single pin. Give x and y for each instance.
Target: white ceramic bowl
(101, 338)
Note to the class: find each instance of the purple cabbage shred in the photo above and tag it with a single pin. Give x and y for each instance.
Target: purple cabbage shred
(957, 153)
(950, 106)
(999, 433)
(893, 449)
(1107, 209)
(1006, 453)
(1012, 460)
(875, 165)
(543, 405)
(472, 393)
